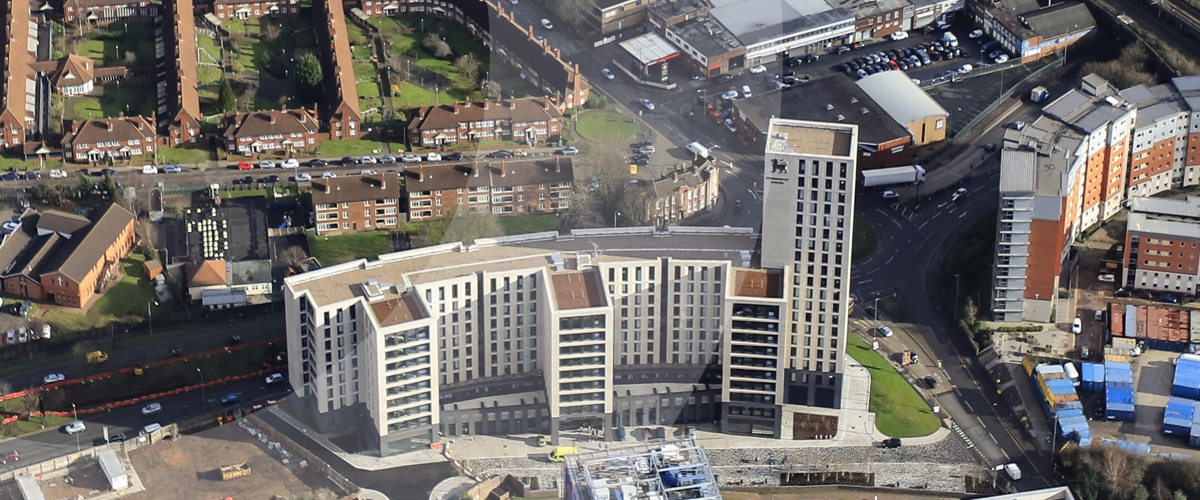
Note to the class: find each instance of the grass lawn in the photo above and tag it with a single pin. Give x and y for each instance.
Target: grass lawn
(238, 27)
(208, 43)
(456, 35)
(384, 23)
(511, 83)
(137, 99)
(208, 74)
(368, 89)
(970, 259)
(246, 51)
(529, 223)
(124, 299)
(364, 71)
(403, 44)
(183, 155)
(362, 51)
(899, 410)
(110, 44)
(330, 250)
(349, 147)
(865, 241)
(604, 126)
(9, 163)
(412, 96)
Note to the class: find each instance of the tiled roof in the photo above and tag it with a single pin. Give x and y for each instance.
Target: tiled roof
(18, 54)
(1060, 20)
(112, 129)
(501, 174)
(182, 79)
(260, 123)
(518, 110)
(337, 60)
(208, 273)
(356, 188)
(26, 252)
(72, 70)
(62, 222)
(84, 251)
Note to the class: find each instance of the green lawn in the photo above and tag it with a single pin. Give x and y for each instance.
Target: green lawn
(183, 156)
(130, 99)
(355, 34)
(384, 23)
(362, 51)
(412, 96)
(349, 147)
(110, 44)
(865, 241)
(330, 250)
(368, 89)
(604, 126)
(456, 35)
(238, 27)
(208, 74)
(125, 299)
(899, 410)
(364, 71)
(529, 223)
(402, 44)
(247, 51)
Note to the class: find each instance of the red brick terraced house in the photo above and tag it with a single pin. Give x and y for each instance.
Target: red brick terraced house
(16, 100)
(503, 188)
(528, 121)
(345, 117)
(62, 258)
(270, 131)
(121, 138)
(354, 203)
(181, 89)
(107, 11)
(242, 9)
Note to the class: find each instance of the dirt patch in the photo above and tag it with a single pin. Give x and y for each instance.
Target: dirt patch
(189, 469)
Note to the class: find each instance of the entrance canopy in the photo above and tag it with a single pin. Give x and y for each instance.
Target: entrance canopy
(649, 49)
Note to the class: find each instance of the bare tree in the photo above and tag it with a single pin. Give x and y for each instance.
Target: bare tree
(437, 46)
(492, 88)
(1116, 472)
(5, 388)
(467, 227)
(130, 57)
(573, 12)
(468, 68)
(293, 256)
(634, 207)
(399, 72)
(29, 403)
(970, 311)
(270, 31)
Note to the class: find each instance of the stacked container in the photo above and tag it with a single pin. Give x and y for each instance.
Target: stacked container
(1187, 377)
(1179, 415)
(1061, 403)
(1118, 391)
(1093, 377)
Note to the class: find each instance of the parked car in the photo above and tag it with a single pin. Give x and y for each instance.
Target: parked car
(151, 409)
(1107, 278)
(975, 34)
(53, 377)
(348, 161)
(520, 153)
(244, 165)
(58, 174)
(758, 69)
(455, 156)
(74, 427)
(1122, 293)
(11, 176)
(746, 91)
(607, 74)
(1168, 298)
(146, 169)
(303, 177)
(1077, 326)
(170, 169)
(291, 163)
(270, 179)
(729, 96)
(318, 163)
(274, 377)
(966, 68)
(433, 157)
(228, 399)
(410, 158)
(891, 443)
(890, 195)
(266, 164)
(244, 180)
(569, 150)
(842, 49)
(899, 35)
(500, 154)
(233, 340)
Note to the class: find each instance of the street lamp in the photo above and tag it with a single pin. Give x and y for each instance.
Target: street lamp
(203, 399)
(150, 315)
(705, 91)
(876, 308)
(615, 214)
(76, 414)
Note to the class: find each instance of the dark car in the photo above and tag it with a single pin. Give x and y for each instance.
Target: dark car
(854, 66)
(116, 438)
(1123, 293)
(500, 154)
(1146, 294)
(11, 176)
(812, 58)
(891, 443)
(842, 49)
(935, 55)
(318, 163)
(270, 179)
(455, 156)
(99, 442)
(233, 340)
(348, 161)
(791, 61)
(1168, 298)
(244, 180)
(31, 175)
(176, 352)
(931, 382)
(990, 147)
(906, 51)
(791, 80)
(726, 77)
(229, 399)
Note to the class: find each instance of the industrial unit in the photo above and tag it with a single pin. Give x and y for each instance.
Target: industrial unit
(1060, 402)
(668, 471)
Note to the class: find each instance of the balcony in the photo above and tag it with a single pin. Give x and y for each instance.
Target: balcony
(755, 326)
(754, 351)
(752, 362)
(752, 374)
(755, 339)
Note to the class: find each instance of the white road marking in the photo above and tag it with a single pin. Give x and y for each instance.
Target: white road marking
(980, 421)
(1006, 457)
(889, 261)
(993, 439)
(964, 214)
(965, 403)
(897, 223)
(922, 226)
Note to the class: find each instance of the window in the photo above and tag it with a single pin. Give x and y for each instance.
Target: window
(940, 123)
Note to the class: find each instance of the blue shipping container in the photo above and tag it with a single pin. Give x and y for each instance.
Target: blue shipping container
(1119, 411)
(1092, 377)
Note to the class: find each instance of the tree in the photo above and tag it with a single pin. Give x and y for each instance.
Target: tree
(438, 47)
(492, 89)
(270, 31)
(579, 213)
(226, 96)
(468, 68)
(572, 12)
(86, 186)
(5, 388)
(110, 187)
(1116, 472)
(396, 64)
(467, 228)
(596, 101)
(130, 57)
(309, 75)
(634, 208)
(970, 311)
(1179, 495)
(293, 256)
(46, 195)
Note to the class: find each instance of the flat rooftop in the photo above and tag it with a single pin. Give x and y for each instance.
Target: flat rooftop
(397, 310)
(760, 283)
(834, 99)
(811, 138)
(576, 289)
(707, 35)
(649, 48)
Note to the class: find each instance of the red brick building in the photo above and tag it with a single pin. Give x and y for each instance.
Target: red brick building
(527, 121)
(356, 203)
(182, 91)
(242, 9)
(270, 131)
(107, 11)
(121, 138)
(682, 194)
(504, 188)
(341, 91)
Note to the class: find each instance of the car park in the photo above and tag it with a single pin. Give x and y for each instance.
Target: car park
(53, 377)
(274, 377)
(608, 74)
(228, 399)
(170, 169)
(646, 102)
(433, 157)
(758, 69)
(266, 164)
(291, 163)
(958, 193)
(410, 158)
(151, 409)
(569, 150)
(74, 427)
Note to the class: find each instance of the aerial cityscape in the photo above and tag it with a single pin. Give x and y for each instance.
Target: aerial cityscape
(600, 249)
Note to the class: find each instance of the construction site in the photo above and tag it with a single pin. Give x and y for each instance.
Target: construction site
(674, 470)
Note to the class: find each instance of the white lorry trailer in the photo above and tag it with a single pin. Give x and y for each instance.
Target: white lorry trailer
(908, 174)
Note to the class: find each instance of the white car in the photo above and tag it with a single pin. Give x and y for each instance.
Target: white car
(151, 409)
(959, 193)
(758, 69)
(274, 377)
(916, 81)
(53, 377)
(646, 102)
(890, 195)
(303, 176)
(745, 91)
(547, 24)
(899, 35)
(608, 74)
(885, 331)
(433, 157)
(266, 164)
(1001, 58)
(1077, 326)
(149, 169)
(975, 34)
(58, 174)
(1107, 278)
(514, 2)
(291, 163)
(410, 158)
(75, 427)
(368, 160)
(729, 96)
(329, 175)
(966, 68)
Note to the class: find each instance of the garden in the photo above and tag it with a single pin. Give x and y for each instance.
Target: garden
(133, 100)
(118, 44)
(899, 410)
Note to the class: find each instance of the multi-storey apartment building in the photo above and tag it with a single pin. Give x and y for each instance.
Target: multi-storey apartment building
(1164, 140)
(354, 203)
(601, 328)
(527, 120)
(503, 188)
(1161, 240)
(181, 89)
(270, 131)
(247, 9)
(341, 92)
(120, 138)
(16, 98)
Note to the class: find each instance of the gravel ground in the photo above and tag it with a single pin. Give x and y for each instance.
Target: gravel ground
(940, 466)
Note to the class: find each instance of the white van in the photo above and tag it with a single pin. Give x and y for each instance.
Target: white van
(698, 149)
(149, 428)
(949, 39)
(149, 169)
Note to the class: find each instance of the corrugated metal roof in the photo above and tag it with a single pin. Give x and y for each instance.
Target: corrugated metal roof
(1143, 224)
(1018, 171)
(902, 99)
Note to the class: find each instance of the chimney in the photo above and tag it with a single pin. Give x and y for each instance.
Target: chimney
(485, 104)
(74, 126)
(272, 115)
(284, 108)
(456, 108)
(557, 164)
(108, 125)
(545, 105)
(303, 116)
(327, 186)
(474, 171)
(121, 115)
(141, 124)
(557, 54)
(512, 104)
(503, 173)
(421, 173)
(675, 176)
(383, 182)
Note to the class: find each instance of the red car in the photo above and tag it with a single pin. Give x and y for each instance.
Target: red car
(245, 166)
(11, 456)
